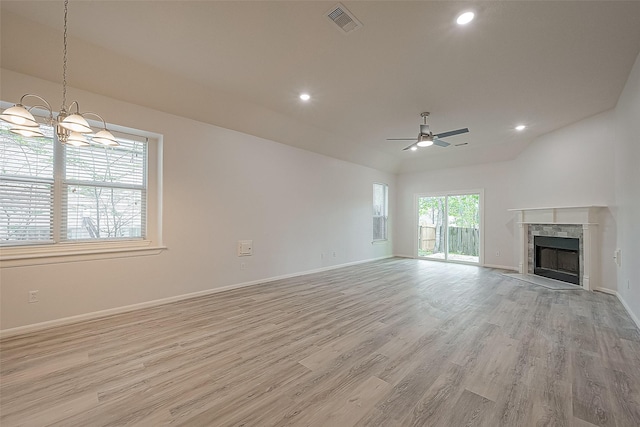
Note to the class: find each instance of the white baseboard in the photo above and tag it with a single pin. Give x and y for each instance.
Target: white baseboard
(35, 327)
(606, 291)
(626, 306)
(6, 333)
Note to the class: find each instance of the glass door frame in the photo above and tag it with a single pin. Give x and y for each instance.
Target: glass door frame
(445, 194)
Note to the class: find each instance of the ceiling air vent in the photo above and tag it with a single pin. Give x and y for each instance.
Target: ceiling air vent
(344, 19)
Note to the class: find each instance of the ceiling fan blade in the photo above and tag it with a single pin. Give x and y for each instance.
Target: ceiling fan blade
(406, 148)
(401, 139)
(460, 145)
(451, 133)
(441, 143)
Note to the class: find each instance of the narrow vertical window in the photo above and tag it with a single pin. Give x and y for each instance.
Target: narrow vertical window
(380, 211)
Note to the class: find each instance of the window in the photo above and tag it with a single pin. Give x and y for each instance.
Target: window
(104, 192)
(50, 193)
(380, 211)
(26, 187)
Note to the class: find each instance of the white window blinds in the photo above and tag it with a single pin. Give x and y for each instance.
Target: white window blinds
(104, 191)
(26, 187)
(51, 193)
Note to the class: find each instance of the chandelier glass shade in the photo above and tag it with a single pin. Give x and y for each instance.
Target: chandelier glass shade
(28, 131)
(76, 123)
(71, 128)
(77, 139)
(19, 115)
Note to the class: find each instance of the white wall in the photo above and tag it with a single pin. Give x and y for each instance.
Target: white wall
(573, 166)
(627, 179)
(219, 186)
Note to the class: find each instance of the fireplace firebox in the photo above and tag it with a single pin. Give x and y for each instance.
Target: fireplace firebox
(557, 258)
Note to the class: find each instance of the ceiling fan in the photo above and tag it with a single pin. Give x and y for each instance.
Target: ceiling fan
(426, 137)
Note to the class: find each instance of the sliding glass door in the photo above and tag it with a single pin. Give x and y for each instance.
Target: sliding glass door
(463, 227)
(431, 226)
(449, 227)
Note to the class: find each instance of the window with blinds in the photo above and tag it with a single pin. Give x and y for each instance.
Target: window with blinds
(51, 193)
(26, 187)
(380, 211)
(104, 192)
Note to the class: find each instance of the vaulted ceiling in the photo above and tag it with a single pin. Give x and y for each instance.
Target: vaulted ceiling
(242, 65)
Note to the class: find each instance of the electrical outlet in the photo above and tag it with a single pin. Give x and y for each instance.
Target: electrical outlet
(33, 297)
(628, 284)
(497, 253)
(243, 266)
(334, 254)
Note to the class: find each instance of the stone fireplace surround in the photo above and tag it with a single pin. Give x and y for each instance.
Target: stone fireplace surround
(578, 222)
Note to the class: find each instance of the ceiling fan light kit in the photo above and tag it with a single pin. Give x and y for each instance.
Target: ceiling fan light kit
(424, 141)
(71, 128)
(427, 138)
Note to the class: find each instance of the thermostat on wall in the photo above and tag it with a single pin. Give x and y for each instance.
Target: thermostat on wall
(245, 247)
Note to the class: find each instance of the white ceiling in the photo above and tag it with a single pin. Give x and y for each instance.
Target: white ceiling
(241, 65)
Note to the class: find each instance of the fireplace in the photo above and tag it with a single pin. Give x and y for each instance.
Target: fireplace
(579, 222)
(557, 258)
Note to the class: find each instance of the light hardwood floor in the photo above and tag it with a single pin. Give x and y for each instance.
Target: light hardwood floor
(398, 342)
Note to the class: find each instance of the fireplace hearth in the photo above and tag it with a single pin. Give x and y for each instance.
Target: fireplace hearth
(557, 258)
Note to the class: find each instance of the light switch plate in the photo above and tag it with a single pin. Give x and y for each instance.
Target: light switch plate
(245, 247)
(616, 257)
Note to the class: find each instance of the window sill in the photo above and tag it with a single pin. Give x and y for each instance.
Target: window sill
(73, 252)
(375, 242)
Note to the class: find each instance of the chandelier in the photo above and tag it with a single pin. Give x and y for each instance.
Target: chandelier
(71, 127)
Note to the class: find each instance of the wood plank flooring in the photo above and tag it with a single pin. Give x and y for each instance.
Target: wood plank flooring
(398, 342)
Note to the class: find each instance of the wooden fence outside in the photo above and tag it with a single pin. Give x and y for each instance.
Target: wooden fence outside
(463, 241)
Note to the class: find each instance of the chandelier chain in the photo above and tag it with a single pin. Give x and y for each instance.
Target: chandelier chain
(70, 128)
(64, 60)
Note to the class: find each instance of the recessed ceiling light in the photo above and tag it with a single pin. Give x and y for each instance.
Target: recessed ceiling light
(414, 148)
(465, 18)
(520, 128)
(305, 96)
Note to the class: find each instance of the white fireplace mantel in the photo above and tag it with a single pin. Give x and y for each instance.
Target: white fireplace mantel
(587, 216)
